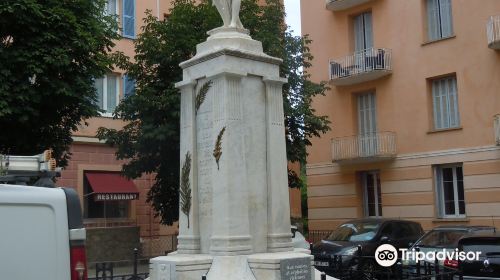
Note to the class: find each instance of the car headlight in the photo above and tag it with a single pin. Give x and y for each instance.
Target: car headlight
(351, 251)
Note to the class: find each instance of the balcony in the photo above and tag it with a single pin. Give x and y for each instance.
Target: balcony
(364, 148)
(339, 5)
(493, 30)
(497, 129)
(360, 67)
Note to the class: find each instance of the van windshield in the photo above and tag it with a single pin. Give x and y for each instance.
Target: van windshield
(360, 231)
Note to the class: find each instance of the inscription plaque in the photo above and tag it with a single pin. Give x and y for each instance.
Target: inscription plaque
(296, 269)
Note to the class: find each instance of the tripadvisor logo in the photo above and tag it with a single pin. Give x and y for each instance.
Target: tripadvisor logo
(386, 255)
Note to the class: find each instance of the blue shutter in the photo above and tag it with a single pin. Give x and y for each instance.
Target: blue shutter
(128, 86)
(128, 18)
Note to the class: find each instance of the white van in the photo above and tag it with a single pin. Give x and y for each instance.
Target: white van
(41, 234)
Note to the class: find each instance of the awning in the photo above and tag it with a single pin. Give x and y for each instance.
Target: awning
(111, 186)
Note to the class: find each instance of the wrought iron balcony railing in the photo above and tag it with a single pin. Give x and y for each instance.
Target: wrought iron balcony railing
(367, 147)
(493, 31)
(339, 5)
(362, 66)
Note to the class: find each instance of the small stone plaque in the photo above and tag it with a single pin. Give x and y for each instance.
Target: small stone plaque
(296, 269)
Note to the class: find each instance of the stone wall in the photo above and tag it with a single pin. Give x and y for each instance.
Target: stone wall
(112, 244)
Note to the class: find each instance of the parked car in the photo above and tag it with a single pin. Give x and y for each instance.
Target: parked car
(42, 234)
(445, 238)
(488, 265)
(298, 240)
(368, 233)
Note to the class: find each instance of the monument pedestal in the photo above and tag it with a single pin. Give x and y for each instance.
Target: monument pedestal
(265, 266)
(234, 168)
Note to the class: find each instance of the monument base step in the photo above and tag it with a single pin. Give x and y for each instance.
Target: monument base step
(266, 266)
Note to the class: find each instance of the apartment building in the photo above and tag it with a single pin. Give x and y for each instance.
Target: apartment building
(114, 208)
(414, 104)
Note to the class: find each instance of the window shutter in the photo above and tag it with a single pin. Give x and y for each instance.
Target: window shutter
(359, 37)
(454, 114)
(98, 83)
(368, 30)
(433, 29)
(446, 18)
(128, 21)
(128, 86)
(437, 105)
(111, 94)
(111, 7)
(445, 102)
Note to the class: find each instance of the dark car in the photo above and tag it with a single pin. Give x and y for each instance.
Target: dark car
(488, 264)
(367, 233)
(446, 238)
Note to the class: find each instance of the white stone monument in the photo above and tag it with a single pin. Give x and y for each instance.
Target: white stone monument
(234, 207)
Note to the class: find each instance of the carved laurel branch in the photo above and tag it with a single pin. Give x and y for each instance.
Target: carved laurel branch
(218, 147)
(201, 95)
(185, 189)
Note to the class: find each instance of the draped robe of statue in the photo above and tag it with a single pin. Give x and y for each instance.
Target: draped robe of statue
(229, 10)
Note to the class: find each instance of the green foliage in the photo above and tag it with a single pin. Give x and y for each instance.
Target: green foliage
(50, 52)
(150, 142)
(185, 189)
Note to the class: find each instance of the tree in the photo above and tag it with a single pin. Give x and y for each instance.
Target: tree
(150, 140)
(50, 51)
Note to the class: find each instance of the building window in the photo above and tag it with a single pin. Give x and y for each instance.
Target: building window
(439, 19)
(450, 191)
(128, 18)
(107, 93)
(128, 86)
(445, 103)
(372, 193)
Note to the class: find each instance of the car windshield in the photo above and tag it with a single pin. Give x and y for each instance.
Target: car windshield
(441, 238)
(359, 231)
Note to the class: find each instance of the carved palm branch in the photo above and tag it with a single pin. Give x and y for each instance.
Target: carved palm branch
(218, 147)
(202, 94)
(185, 189)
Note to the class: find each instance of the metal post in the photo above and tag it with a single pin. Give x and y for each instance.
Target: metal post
(399, 270)
(418, 262)
(136, 252)
(323, 276)
(436, 268)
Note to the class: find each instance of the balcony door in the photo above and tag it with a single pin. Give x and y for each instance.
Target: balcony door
(372, 193)
(367, 125)
(363, 40)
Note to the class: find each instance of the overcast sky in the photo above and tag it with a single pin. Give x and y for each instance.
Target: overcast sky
(292, 8)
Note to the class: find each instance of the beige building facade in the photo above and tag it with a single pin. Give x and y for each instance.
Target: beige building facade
(414, 99)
